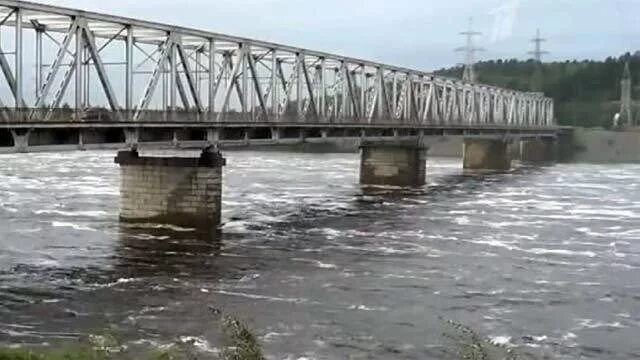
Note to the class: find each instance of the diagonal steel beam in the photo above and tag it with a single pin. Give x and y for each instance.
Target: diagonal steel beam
(233, 77)
(195, 94)
(150, 88)
(8, 73)
(55, 67)
(256, 84)
(309, 86)
(102, 73)
(351, 90)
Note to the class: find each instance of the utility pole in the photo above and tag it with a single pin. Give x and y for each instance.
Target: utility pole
(470, 51)
(536, 79)
(626, 114)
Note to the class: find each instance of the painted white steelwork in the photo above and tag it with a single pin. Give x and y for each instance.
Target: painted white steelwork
(140, 71)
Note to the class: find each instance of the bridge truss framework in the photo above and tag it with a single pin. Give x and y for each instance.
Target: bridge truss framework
(123, 70)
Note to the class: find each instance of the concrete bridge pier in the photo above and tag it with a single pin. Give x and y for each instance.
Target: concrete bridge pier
(542, 150)
(131, 136)
(21, 139)
(486, 154)
(213, 136)
(176, 190)
(275, 134)
(393, 162)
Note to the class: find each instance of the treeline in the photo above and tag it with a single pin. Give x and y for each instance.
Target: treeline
(586, 93)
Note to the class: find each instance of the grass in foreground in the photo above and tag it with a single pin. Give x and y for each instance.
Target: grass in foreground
(240, 343)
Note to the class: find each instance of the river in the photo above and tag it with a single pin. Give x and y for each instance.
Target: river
(547, 258)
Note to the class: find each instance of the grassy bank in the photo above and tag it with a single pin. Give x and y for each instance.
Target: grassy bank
(240, 343)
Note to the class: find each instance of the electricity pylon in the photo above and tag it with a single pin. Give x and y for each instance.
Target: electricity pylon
(626, 114)
(470, 51)
(536, 79)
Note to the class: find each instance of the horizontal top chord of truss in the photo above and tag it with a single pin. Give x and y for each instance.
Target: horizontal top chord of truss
(155, 66)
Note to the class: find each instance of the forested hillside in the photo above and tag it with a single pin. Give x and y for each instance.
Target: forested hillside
(587, 93)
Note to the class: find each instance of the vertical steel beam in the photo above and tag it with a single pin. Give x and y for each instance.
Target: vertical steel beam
(299, 70)
(323, 88)
(362, 106)
(78, 69)
(344, 91)
(336, 79)
(86, 61)
(18, 59)
(128, 91)
(245, 78)
(197, 70)
(383, 101)
(173, 75)
(212, 78)
(165, 79)
(39, 74)
(394, 90)
(274, 84)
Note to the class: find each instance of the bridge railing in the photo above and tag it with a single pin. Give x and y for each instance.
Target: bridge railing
(115, 69)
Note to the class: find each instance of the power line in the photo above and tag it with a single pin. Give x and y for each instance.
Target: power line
(470, 51)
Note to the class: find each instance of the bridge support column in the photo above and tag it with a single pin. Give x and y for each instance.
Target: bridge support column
(538, 150)
(175, 140)
(21, 139)
(275, 134)
(213, 136)
(486, 154)
(394, 163)
(131, 136)
(181, 191)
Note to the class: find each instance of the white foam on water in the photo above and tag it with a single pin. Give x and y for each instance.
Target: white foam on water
(363, 307)
(236, 227)
(595, 324)
(502, 340)
(199, 343)
(606, 212)
(317, 263)
(86, 213)
(263, 297)
(565, 252)
(273, 336)
(72, 225)
(27, 231)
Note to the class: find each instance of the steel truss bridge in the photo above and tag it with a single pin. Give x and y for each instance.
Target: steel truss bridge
(70, 68)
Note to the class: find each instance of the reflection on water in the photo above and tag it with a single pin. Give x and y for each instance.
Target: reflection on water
(324, 269)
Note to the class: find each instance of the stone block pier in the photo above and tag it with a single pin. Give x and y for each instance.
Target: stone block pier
(176, 190)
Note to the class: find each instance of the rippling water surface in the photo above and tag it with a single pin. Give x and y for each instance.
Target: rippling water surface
(548, 258)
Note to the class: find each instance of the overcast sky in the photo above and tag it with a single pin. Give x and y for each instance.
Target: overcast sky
(416, 33)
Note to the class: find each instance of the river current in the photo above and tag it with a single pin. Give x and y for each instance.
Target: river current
(546, 258)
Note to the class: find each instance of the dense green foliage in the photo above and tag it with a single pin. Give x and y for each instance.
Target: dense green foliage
(586, 93)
